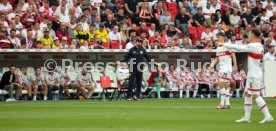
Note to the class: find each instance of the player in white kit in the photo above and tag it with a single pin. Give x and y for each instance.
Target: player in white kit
(254, 77)
(224, 59)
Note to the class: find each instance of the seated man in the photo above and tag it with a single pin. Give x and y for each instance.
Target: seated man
(84, 81)
(24, 83)
(123, 74)
(53, 83)
(65, 83)
(38, 84)
(7, 81)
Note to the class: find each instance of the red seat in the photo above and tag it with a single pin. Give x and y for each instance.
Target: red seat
(213, 28)
(106, 85)
(192, 30)
(115, 45)
(165, 5)
(106, 45)
(172, 5)
(200, 30)
(173, 13)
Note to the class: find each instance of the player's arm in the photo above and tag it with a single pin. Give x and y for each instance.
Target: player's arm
(234, 58)
(214, 62)
(244, 48)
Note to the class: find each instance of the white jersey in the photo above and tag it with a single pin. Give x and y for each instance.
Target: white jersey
(85, 79)
(225, 60)
(255, 51)
(39, 79)
(61, 75)
(52, 78)
(24, 79)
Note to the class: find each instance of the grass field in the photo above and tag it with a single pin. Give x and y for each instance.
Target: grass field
(146, 115)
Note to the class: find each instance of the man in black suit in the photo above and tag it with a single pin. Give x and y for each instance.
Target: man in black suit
(7, 81)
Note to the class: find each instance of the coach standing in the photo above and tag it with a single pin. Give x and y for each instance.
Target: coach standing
(136, 54)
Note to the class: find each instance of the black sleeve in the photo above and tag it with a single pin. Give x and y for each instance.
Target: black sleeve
(146, 56)
(127, 57)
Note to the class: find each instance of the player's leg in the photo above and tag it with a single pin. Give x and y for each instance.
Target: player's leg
(158, 90)
(45, 91)
(83, 92)
(238, 88)
(255, 91)
(66, 90)
(172, 86)
(131, 86)
(181, 87)
(227, 96)
(195, 90)
(29, 89)
(35, 88)
(90, 89)
(247, 103)
(187, 89)
(222, 86)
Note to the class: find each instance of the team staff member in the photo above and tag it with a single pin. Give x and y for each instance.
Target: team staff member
(137, 54)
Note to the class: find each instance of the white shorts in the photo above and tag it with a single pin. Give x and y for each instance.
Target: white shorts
(253, 86)
(225, 77)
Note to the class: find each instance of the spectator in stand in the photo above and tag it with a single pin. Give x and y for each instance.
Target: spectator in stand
(194, 8)
(183, 21)
(158, 11)
(185, 44)
(110, 23)
(81, 34)
(230, 32)
(145, 14)
(74, 44)
(270, 55)
(217, 30)
(115, 37)
(57, 44)
(37, 33)
(14, 40)
(198, 18)
(98, 45)
(233, 40)
(166, 18)
(207, 11)
(5, 42)
(234, 18)
(46, 40)
(209, 44)
(52, 32)
(207, 34)
(63, 32)
(124, 32)
(102, 34)
(28, 41)
(152, 29)
(155, 37)
(247, 18)
(5, 7)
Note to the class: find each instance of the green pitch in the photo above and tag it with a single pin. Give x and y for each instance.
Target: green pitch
(146, 115)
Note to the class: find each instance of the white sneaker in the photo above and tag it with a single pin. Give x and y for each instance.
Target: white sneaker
(201, 96)
(10, 100)
(266, 120)
(243, 120)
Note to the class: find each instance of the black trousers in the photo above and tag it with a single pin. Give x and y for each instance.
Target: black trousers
(135, 82)
(203, 89)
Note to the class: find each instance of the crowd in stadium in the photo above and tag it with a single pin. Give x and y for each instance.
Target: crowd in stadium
(97, 24)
